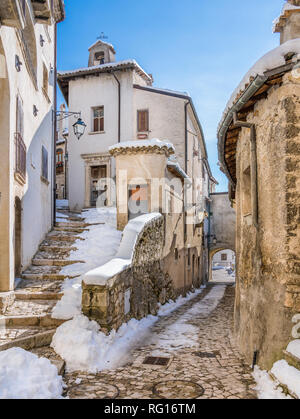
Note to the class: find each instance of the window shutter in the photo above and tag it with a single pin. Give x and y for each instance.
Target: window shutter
(143, 121)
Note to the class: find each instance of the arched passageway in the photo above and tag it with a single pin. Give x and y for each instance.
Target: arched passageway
(222, 265)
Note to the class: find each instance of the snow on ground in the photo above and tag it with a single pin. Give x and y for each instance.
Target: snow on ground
(266, 388)
(25, 376)
(182, 334)
(62, 203)
(288, 376)
(294, 348)
(100, 245)
(85, 348)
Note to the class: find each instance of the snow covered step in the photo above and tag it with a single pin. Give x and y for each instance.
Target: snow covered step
(64, 238)
(54, 262)
(71, 229)
(70, 224)
(26, 339)
(288, 378)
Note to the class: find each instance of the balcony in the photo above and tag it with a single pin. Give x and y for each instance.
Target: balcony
(42, 11)
(20, 159)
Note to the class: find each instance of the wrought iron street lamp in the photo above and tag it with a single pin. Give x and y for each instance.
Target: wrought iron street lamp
(79, 128)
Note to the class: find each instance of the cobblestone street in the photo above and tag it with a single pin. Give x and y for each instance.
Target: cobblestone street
(207, 368)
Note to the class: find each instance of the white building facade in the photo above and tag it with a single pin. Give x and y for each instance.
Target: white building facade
(118, 103)
(27, 102)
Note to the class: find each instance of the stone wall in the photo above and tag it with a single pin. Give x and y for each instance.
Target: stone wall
(137, 290)
(268, 261)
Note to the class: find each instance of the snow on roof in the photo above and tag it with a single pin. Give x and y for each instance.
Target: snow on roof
(174, 92)
(102, 43)
(140, 144)
(103, 67)
(287, 10)
(176, 166)
(269, 61)
(124, 257)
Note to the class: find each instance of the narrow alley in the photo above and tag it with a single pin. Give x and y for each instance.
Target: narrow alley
(195, 341)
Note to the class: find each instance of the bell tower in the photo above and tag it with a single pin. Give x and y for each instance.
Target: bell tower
(101, 53)
(288, 23)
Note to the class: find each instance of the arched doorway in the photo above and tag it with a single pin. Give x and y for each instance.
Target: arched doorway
(6, 281)
(18, 237)
(222, 265)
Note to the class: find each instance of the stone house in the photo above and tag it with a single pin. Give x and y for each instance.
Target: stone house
(118, 103)
(259, 149)
(161, 253)
(27, 102)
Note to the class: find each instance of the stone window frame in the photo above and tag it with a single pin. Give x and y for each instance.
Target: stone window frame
(95, 159)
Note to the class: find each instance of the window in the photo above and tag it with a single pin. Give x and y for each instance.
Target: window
(99, 58)
(176, 254)
(45, 80)
(44, 163)
(20, 147)
(246, 197)
(189, 257)
(59, 155)
(143, 121)
(223, 257)
(98, 119)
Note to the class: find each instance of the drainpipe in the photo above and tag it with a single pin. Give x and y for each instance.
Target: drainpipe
(119, 106)
(254, 187)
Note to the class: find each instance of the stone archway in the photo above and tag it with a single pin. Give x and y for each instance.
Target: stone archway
(212, 253)
(6, 275)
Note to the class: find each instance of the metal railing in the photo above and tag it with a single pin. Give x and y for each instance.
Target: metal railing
(20, 156)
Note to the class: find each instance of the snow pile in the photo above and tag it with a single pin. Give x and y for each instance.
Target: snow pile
(25, 376)
(84, 348)
(134, 228)
(100, 245)
(266, 388)
(143, 143)
(269, 61)
(287, 375)
(294, 348)
(286, 8)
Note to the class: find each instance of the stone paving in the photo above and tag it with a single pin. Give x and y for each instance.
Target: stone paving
(219, 373)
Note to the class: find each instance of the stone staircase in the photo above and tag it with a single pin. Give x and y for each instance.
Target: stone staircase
(28, 322)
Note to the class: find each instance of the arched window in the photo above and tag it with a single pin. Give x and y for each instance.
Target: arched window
(59, 155)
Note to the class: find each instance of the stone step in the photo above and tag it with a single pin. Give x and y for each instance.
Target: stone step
(26, 296)
(43, 320)
(63, 238)
(43, 286)
(292, 359)
(55, 277)
(54, 262)
(71, 229)
(57, 249)
(71, 224)
(26, 339)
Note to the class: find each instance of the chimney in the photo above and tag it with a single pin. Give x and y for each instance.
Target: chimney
(288, 23)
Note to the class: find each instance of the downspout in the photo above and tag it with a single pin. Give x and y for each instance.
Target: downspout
(254, 187)
(119, 106)
(54, 125)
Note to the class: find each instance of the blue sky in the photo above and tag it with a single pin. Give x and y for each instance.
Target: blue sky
(202, 47)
